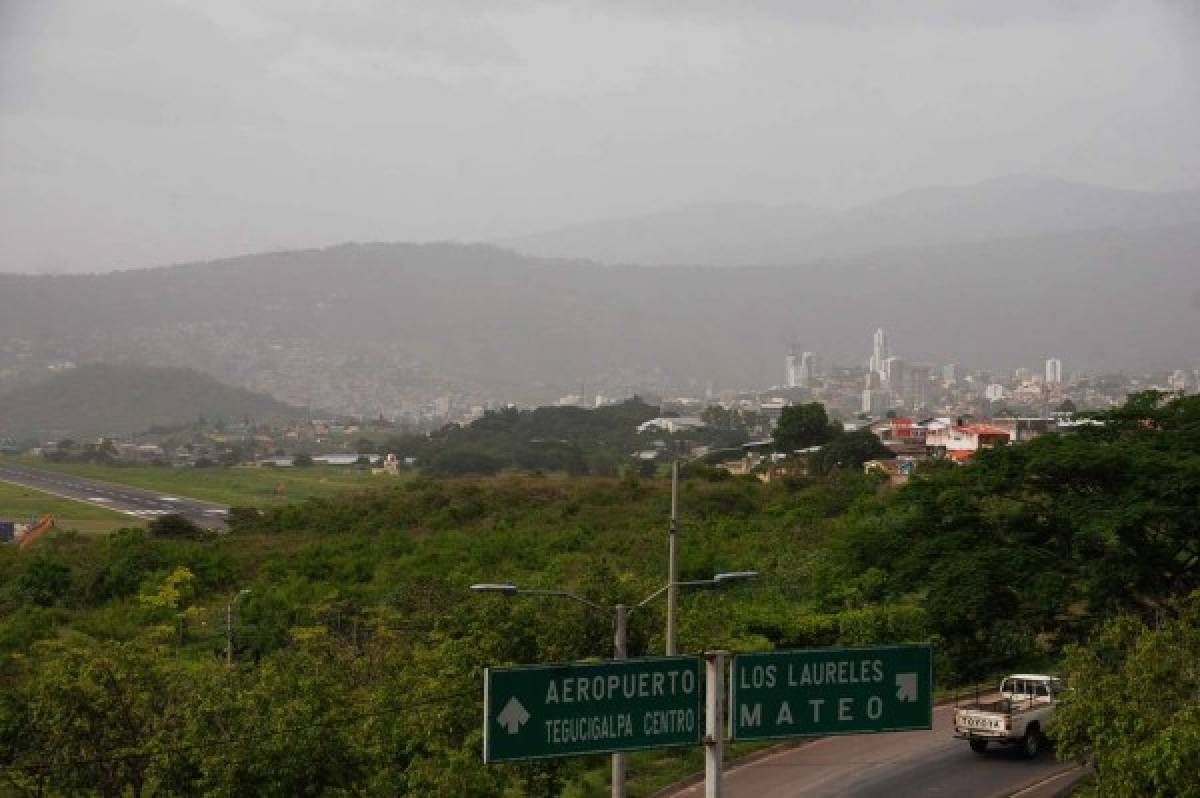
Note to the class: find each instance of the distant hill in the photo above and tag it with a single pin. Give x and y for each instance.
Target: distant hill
(365, 328)
(739, 235)
(94, 400)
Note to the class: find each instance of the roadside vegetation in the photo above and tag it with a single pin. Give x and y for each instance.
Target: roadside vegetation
(358, 650)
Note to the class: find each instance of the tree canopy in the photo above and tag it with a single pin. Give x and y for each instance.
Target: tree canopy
(803, 425)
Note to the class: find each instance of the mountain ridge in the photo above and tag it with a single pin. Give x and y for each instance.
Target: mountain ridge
(364, 329)
(1014, 206)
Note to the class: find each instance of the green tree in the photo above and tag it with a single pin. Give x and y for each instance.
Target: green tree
(1135, 705)
(80, 718)
(46, 581)
(175, 526)
(850, 450)
(804, 425)
(242, 519)
(462, 461)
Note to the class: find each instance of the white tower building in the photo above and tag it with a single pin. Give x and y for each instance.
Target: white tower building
(879, 352)
(808, 368)
(1054, 371)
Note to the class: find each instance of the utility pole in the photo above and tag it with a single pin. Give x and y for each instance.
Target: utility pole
(673, 566)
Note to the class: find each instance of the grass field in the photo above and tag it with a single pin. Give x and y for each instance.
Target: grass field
(244, 486)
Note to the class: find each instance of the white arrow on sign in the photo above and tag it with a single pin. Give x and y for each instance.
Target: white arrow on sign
(906, 687)
(514, 715)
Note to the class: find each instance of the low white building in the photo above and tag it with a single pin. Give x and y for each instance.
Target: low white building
(672, 425)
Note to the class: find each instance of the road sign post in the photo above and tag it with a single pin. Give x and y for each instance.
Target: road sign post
(542, 711)
(818, 692)
(714, 729)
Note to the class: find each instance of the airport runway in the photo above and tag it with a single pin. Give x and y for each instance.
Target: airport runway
(145, 504)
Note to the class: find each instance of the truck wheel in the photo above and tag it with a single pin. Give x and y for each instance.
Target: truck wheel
(979, 746)
(1031, 743)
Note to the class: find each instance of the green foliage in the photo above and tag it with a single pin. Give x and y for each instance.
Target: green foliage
(462, 461)
(568, 440)
(176, 527)
(849, 450)
(804, 425)
(79, 715)
(1134, 705)
(358, 652)
(240, 518)
(1032, 543)
(45, 581)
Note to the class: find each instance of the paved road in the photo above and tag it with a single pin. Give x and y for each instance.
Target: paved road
(145, 504)
(897, 765)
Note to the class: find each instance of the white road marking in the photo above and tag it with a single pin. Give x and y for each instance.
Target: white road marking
(1043, 782)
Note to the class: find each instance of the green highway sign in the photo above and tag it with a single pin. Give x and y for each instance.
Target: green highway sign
(820, 691)
(539, 711)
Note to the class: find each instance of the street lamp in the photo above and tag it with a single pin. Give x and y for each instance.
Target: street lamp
(620, 628)
(229, 624)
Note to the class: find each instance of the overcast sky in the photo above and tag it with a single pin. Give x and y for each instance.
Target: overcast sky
(143, 132)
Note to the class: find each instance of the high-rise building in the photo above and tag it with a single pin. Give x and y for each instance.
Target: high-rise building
(894, 373)
(879, 352)
(916, 384)
(793, 371)
(808, 368)
(950, 372)
(1054, 371)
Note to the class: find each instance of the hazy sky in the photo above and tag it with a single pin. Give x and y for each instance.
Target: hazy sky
(141, 132)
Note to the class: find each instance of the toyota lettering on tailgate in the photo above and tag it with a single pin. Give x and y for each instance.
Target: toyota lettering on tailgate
(977, 722)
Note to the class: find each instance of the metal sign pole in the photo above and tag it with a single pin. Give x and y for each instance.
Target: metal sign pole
(619, 652)
(714, 737)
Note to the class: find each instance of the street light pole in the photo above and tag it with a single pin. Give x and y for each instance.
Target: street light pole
(229, 625)
(673, 566)
(672, 645)
(620, 629)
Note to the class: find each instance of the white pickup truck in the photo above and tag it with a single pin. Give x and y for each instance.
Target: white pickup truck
(1027, 701)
